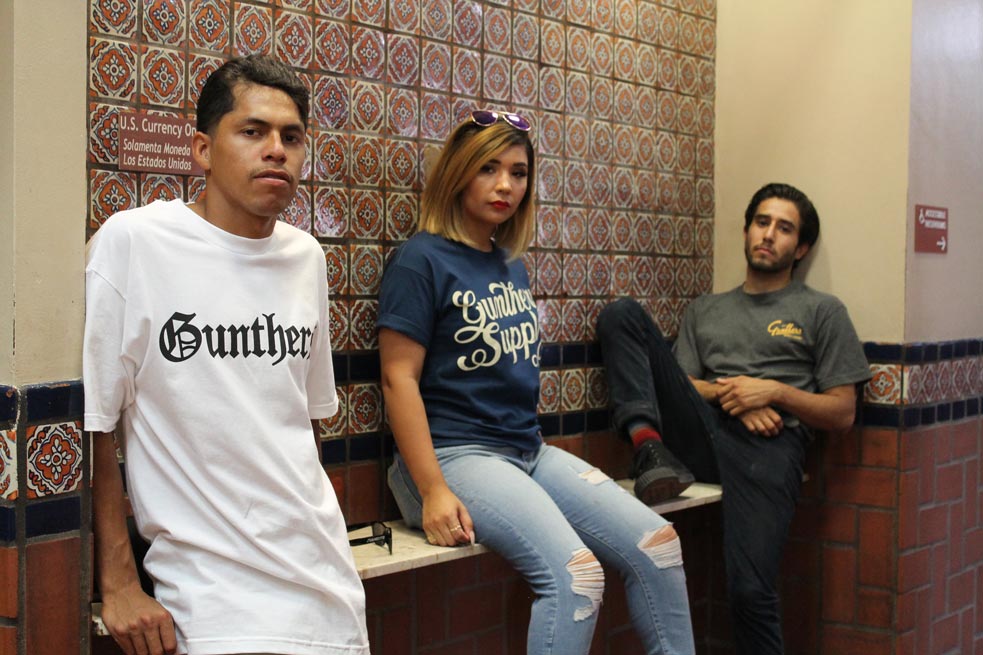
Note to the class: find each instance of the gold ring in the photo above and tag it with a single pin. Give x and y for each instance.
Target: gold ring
(430, 539)
(457, 527)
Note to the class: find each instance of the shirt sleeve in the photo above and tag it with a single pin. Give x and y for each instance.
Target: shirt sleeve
(406, 302)
(685, 348)
(322, 395)
(108, 382)
(839, 354)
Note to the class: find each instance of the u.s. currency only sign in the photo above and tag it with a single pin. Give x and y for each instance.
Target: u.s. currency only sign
(156, 144)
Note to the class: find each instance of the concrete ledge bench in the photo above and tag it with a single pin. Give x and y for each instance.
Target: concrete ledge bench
(411, 550)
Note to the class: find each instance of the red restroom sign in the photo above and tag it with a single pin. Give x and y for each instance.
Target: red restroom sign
(931, 229)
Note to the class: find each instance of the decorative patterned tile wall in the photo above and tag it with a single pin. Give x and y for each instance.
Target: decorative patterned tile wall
(620, 94)
(44, 530)
(920, 384)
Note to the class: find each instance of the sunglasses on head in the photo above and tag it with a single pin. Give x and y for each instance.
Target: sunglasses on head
(382, 534)
(486, 118)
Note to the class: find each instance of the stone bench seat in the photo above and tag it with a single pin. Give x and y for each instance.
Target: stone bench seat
(411, 550)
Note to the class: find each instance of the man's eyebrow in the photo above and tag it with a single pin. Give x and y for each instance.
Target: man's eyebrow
(787, 221)
(254, 120)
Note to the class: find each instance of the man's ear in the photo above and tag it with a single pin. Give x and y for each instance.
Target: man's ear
(802, 250)
(201, 146)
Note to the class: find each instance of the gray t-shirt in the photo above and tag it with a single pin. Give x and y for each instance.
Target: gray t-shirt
(796, 335)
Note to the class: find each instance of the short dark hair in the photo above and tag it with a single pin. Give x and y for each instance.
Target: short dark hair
(809, 230)
(218, 95)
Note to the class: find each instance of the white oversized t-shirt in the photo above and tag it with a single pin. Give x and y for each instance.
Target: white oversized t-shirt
(209, 353)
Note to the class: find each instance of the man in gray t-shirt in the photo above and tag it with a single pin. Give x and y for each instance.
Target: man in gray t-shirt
(753, 371)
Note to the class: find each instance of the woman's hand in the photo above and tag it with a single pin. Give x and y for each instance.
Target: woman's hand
(446, 521)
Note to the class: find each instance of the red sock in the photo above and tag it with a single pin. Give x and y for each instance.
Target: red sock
(643, 434)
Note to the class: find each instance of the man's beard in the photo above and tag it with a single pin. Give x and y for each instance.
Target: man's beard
(782, 264)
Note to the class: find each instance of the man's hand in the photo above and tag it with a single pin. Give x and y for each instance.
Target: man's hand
(741, 394)
(763, 421)
(138, 623)
(709, 391)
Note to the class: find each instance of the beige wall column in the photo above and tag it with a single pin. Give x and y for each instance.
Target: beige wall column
(6, 189)
(816, 93)
(42, 189)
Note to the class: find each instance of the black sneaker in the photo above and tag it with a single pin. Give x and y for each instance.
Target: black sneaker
(658, 474)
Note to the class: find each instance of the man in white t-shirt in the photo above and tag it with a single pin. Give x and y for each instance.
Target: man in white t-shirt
(207, 359)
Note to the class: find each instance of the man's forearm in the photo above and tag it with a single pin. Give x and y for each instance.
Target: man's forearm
(708, 390)
(832, 409)
(114, 554)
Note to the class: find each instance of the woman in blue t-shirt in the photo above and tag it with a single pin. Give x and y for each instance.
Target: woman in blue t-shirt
(459, 343)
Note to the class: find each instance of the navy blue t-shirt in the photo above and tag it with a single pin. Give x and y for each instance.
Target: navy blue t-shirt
(474, 313)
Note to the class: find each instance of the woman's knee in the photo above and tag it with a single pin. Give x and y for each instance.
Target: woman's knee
(586, 580)
(662, 546)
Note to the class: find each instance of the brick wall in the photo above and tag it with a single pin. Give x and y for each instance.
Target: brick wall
(886, 552)
(479, 606)
(44, 526)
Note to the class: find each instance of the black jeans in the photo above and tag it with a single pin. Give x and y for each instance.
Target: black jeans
(761, 476)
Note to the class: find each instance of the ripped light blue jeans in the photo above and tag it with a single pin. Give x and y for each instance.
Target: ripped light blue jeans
(553, 516)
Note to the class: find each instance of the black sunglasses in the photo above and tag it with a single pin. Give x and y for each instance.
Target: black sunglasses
(487, 117)
(382, 534)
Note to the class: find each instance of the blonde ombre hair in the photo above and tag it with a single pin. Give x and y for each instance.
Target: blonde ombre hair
(470, 147)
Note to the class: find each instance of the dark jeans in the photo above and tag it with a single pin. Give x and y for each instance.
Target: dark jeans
(761, 476)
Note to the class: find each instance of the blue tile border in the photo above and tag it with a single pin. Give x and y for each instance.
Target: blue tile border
(598, 420)
(550, 425)
(549, 355)
(8, 523)
(333, 451)
(885, 416)
(53, 400)
(62, 514)
(573, 423)
(594, 353)
(574, 354)
(883, 353)
(922, 352)
(364, 447)
(364, 367)
(897, 416)
(909, 416)
(339, 362)
(8, 404)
